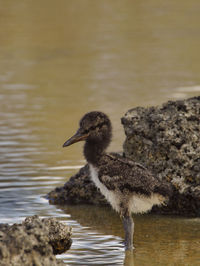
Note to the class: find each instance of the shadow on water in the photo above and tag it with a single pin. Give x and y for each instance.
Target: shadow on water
(158, 240)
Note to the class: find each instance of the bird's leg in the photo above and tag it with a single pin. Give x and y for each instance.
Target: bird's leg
(129, 230)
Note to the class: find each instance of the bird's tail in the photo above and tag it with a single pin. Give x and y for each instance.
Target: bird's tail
(165, 189)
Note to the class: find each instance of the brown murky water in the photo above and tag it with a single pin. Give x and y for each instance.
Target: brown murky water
(60, 59)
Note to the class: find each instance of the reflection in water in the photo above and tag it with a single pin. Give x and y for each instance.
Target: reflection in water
(129, 258)
(158, 240)
(95, 238)
(58, 61)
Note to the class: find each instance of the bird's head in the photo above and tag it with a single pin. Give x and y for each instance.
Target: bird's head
(95, 127)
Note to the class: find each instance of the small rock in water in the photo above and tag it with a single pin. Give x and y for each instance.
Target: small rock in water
(34, 242)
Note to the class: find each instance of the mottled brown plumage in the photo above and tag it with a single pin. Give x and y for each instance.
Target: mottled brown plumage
(128, 176)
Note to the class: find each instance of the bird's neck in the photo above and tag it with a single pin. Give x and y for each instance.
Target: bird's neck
(93, 152)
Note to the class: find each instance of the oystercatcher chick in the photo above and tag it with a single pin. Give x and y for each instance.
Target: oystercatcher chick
(127, 185)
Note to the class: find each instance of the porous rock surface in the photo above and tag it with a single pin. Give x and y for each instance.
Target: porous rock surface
(165, 139)
(34, 242)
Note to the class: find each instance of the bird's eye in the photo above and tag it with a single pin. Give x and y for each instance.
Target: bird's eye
(99, 126)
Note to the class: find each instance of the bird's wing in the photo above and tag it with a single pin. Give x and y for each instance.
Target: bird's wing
(119, 173)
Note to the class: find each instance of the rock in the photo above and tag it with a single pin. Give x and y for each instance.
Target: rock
(34, 242)
(166, 140)
(79, 189)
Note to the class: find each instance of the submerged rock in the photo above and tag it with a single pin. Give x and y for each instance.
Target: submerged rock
(166, 140)
(34, 242)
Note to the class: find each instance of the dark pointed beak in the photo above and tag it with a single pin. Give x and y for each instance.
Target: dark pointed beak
(77, 137)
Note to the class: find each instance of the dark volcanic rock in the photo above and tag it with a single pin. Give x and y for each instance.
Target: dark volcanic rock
(79, 189)
(166, 140)
(34, 242)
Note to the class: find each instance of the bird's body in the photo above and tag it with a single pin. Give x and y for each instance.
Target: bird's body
(128, 186)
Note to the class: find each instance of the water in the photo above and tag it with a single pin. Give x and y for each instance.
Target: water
(59, 60)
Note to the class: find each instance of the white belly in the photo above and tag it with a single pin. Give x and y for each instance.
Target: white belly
(135, 203)
(111, 196)
(142, 204)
